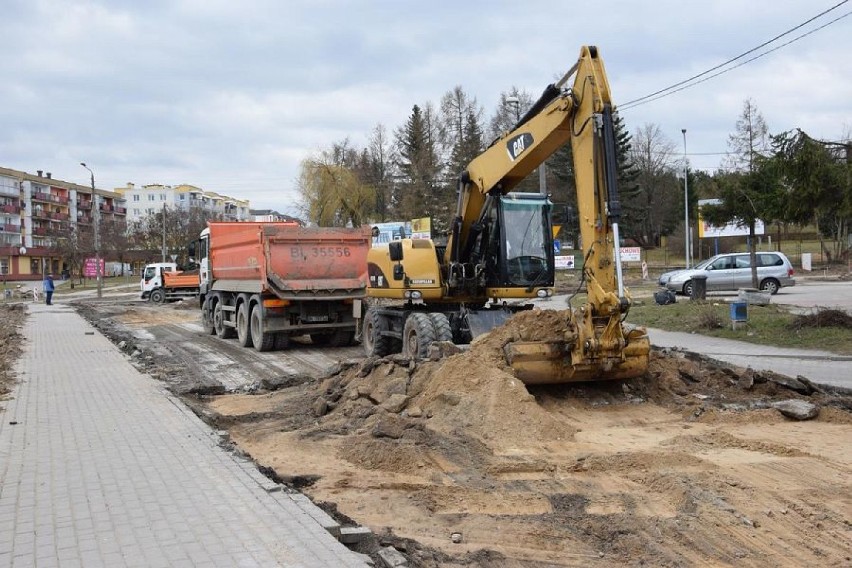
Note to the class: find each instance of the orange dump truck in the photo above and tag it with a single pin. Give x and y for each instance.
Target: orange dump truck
(267, 282)
(162, 282)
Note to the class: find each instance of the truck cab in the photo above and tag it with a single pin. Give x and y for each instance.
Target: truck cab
(152, 276)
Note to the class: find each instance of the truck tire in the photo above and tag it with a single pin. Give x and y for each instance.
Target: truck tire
(158, 296)
(282, 341)
(375, 344)
(222, 330)
(320, 339)
(417, 336)
(243, 332)
(341, 338)
(207, 317)
(443, 331)
(262, 340)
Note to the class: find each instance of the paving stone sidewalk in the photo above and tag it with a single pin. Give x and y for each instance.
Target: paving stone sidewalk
(100, 466)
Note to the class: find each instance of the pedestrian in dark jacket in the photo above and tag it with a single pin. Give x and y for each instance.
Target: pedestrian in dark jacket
(48, 289)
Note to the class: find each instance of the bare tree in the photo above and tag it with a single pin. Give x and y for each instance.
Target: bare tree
(750, 140)
(652, 205)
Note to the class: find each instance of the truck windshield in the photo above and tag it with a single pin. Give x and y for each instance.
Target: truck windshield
(527, 241)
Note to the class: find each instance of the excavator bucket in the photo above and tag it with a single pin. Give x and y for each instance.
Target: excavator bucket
(554, 362)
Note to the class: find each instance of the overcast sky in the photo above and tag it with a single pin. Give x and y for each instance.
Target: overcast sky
(231, 96)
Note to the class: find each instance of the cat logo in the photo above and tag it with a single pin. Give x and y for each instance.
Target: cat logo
(517, 145)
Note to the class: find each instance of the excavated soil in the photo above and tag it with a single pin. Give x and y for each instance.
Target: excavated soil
(460, 464)
(457, 463)
(12, 318)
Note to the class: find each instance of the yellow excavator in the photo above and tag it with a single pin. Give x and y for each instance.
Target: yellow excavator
(500, 250)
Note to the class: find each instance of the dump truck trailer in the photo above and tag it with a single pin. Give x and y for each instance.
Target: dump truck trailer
(267, 282)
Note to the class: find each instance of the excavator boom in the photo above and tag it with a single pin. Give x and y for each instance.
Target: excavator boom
(598, 345)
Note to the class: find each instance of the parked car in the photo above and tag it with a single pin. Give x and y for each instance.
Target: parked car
(732, 272)
(664, 277)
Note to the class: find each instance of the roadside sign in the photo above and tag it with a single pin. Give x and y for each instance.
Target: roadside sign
(631, 254)
(557, 246)
(564, 262)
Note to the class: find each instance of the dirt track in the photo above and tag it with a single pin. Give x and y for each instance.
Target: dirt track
(688, 465)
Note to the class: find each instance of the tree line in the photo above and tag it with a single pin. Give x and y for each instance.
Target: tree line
(784, 179)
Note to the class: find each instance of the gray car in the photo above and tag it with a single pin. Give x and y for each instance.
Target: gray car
(732, 272)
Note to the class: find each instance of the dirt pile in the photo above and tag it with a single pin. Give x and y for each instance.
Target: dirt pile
(682, 466)
(823, 318)
(12, 318)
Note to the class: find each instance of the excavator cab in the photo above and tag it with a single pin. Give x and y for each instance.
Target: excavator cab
(519, 242)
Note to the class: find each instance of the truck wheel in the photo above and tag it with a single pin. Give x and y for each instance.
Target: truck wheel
(375, 344)
(443, 331)
(417, 335)
(263, 341)
(320, 338)
(222, 330)
(341, 338)
(282, 341)
(207, 318)
(243, 333)
(158, 296)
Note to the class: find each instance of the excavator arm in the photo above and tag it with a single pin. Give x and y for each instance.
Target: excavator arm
(597, 345)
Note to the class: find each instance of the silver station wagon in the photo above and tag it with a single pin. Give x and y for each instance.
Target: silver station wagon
(732, 272)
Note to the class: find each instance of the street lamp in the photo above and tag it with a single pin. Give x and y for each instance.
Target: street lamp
(686, 249)
(97, 237)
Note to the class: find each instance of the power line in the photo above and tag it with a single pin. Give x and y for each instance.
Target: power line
(671, 89)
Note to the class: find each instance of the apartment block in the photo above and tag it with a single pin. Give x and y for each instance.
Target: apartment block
(33, 207)
(144, 200)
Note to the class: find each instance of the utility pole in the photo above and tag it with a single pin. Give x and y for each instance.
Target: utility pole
(687, 249)
(97, 237)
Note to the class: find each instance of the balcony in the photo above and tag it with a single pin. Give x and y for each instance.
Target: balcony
(60, 216)
(107, 208)
(10, 228)
(10, 208)
(40, 231)
(10, 191)
(121, 210)
(87, 205)
(45, 197)
(40, 213)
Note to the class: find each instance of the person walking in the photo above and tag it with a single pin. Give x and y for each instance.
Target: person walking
(48, 289)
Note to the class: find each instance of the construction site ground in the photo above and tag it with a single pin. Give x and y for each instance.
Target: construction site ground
(456, 463)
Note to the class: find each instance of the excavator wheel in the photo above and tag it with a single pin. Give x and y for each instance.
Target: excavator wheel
(222, 330)
(443, 331)
(262, 340)
(417, 335)
(243, 332)
(375, 344)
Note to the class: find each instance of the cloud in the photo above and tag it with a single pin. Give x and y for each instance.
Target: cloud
(233, 96)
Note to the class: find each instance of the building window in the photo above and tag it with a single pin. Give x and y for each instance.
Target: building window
(135, 197)
(162, 197)
(136, 211)
(151, 197)
(183, 197)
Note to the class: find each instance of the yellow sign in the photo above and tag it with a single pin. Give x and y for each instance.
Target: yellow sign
(556, 229)
(421, 228)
